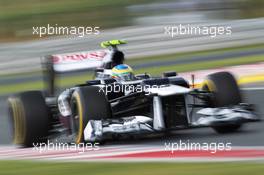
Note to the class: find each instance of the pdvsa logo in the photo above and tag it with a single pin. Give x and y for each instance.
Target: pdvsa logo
(92, 56)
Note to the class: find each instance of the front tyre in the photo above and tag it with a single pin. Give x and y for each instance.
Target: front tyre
(88, 103)
(226, 93)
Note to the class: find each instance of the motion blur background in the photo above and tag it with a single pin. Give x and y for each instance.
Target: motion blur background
(17, 17)
(141, 23)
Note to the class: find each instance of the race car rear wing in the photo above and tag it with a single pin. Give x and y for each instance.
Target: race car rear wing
(69, 62)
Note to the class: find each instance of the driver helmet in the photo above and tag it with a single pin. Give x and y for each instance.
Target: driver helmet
(123, 72)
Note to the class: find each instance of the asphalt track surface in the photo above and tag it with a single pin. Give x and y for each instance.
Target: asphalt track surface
(181, 60)
(252, 134)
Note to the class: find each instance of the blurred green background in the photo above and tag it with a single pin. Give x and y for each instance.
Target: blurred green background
(18, 16)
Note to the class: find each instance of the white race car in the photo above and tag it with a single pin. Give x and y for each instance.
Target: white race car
(119, 103)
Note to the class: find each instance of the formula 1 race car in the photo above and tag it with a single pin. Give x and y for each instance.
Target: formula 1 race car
(118, 103)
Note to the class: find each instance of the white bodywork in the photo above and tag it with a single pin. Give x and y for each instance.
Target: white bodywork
(168, 90)
(94, 130)
(224, 114)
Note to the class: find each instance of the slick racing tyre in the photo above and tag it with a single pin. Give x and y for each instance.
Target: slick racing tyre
(225, 89)
(225, 92)
(88, 103)
(29, 118)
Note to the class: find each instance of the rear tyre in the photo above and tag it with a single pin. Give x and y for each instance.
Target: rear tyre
(226, 92)
(88, 103)
(29, 118)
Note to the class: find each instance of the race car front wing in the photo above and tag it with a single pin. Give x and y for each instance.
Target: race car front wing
(95, 130)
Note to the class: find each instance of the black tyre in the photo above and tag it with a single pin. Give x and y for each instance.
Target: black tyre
(88, 103)
(29, 118)
(227, 128)
(226, 92)
(225, 89)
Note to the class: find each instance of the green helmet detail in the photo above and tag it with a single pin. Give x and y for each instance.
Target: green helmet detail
(106, 44)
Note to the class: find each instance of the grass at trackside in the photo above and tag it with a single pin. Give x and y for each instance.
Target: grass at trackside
(18, 17)
(78, 168)
(36, 85)
(20, 87)
(22, 74)
(187, 55)
(204, 65)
